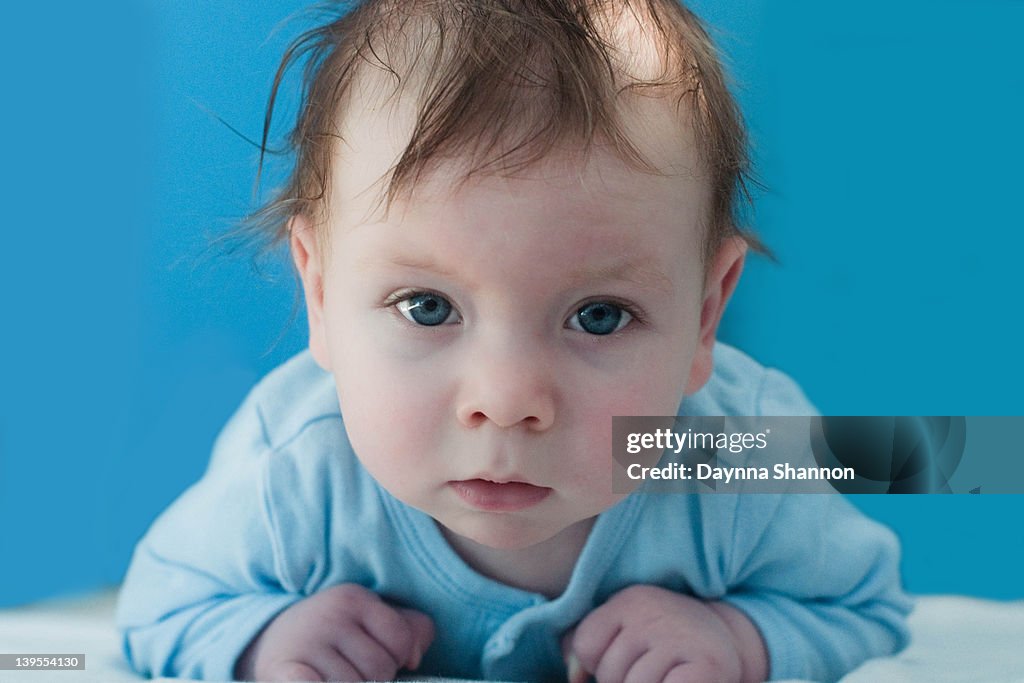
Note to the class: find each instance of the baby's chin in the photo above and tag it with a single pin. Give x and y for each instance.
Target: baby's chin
(501, 531)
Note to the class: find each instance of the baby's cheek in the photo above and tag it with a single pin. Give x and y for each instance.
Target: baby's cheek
(391, 425)
(632, 396)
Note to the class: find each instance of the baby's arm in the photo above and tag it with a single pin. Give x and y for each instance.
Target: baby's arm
(243, 548)
(812, 590)
(816, 580)
(820, 580)
(206, 576)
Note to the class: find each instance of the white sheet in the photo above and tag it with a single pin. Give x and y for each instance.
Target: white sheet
(955, 638)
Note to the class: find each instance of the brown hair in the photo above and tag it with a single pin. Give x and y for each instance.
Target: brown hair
(502, 83)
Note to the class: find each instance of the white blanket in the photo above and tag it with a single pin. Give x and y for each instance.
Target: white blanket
(954, 639)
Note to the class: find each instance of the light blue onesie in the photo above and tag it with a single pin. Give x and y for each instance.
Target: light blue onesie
(285, 509)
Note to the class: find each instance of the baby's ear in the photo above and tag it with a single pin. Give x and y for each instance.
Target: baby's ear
(307, 258)
(721, 279)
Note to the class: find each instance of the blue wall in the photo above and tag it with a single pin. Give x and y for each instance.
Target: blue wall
(889, 137)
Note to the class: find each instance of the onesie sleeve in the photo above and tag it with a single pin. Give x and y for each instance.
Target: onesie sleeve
(821, 583)
(209, 574)
(819, 579)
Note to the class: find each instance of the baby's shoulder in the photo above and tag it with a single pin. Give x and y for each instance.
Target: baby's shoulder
(285, 462)
(739, 385)
(290, 435)
(293, 409)
(293, 396)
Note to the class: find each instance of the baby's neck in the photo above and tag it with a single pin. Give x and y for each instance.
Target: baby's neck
(543, 568)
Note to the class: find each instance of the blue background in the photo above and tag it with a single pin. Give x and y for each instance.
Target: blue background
(889, 135)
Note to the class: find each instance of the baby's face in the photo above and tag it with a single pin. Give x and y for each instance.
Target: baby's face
(481, 339)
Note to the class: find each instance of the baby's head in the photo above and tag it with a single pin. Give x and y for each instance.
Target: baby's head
(513, 219)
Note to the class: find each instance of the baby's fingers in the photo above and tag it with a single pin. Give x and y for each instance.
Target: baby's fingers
(293, 671)
(422, 629)
(694, 672)
(403, 636)
(615, 663)
(663, 665)
(366, 655)
(576, 672)
(602, 648)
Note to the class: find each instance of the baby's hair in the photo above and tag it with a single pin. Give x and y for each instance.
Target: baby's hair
(501, 83)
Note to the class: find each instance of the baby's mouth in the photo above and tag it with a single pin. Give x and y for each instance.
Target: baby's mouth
(493, 496)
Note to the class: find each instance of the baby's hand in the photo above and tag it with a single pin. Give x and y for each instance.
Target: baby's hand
(647, 633)
(342, 633)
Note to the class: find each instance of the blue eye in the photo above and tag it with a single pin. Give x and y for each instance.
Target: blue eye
(600, 317)
(427, 309)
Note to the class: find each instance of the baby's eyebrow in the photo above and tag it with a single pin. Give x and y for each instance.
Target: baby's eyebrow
(408, 261)
(636, 271)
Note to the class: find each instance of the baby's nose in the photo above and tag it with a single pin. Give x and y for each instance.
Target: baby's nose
(510, 387)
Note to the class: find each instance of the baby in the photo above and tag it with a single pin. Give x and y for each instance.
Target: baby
(512, 220)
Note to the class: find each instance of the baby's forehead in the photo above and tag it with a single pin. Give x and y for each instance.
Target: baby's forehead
(557, 224)
(566, 211)
(376, 131)
(571, 185)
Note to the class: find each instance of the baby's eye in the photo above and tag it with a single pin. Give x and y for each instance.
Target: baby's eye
(427, 309)
(600, 317)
